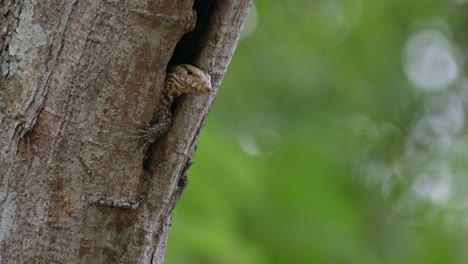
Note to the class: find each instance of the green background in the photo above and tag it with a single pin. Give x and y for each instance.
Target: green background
(309, 155)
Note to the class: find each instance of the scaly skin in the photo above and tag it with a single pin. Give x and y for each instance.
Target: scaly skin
(180, 79)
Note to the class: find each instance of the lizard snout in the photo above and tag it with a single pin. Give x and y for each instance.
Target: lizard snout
(207, 84)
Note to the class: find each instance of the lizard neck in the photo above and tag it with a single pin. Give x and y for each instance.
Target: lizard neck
(170, 93)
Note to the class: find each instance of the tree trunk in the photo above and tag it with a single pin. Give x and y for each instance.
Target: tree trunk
(78, 78)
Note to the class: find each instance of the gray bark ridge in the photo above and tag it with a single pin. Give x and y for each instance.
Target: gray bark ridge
(77, 79)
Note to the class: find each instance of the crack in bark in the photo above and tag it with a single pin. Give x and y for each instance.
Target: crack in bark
(9, 19)
(122, 203)
(43, 88)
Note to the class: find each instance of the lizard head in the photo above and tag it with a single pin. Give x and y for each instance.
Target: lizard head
(189, 79)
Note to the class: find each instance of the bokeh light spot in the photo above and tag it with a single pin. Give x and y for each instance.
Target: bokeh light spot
(429, 60)
(435, 184)
(263, 142)
(251, 23)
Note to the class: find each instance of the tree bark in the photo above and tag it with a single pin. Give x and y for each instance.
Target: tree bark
(78, 78)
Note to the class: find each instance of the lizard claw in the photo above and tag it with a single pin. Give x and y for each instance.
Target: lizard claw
(142, 136)
(148, 135)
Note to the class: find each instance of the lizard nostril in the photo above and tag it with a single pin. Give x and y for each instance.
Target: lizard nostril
(207, 89)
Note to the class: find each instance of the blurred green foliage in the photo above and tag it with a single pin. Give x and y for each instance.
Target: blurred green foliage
(278, 173)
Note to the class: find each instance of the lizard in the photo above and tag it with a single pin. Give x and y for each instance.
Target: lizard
(180, 79)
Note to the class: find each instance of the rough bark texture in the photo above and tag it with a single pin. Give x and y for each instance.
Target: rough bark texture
(77, 79)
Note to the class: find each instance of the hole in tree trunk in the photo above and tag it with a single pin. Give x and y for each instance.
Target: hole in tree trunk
(187, 50)
(190, 45)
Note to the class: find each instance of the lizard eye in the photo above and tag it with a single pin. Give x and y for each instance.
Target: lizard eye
(189, 72)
